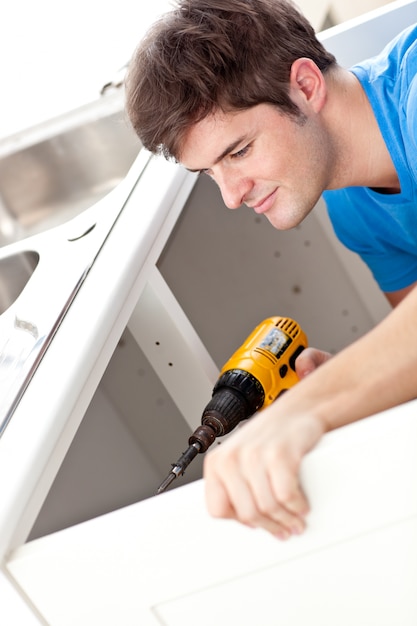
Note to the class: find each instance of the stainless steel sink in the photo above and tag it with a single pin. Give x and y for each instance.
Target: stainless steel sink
(50, 173)
(15, 271)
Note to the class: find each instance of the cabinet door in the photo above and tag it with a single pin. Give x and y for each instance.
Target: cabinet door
(164, 561)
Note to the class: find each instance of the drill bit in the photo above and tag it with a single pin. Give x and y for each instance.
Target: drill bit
(166, 482)
(180, 466)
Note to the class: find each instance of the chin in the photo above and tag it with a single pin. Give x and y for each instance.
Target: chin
(281, 222)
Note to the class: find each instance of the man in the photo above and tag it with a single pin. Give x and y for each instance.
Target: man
(243, 91)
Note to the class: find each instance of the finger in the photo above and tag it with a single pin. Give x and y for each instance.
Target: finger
(217, 499)
(283, 464)
(287, 490)
(247, 496)
(286, 512)
(238, 503)
(309, 360)
(227, 493)
(230, 497)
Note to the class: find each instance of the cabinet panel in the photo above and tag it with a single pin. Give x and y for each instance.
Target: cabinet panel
(164, 561)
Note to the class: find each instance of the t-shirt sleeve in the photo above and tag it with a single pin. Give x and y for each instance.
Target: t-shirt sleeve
(380, 240)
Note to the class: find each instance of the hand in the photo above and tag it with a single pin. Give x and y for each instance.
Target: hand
(253, 476)
(309, 360)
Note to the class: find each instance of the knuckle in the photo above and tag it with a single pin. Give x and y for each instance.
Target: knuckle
(249, 518)
(269, 509)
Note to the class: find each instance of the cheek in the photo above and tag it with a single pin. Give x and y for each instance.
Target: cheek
(291, 150)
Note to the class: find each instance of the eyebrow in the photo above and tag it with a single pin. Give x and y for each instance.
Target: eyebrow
(225, 152)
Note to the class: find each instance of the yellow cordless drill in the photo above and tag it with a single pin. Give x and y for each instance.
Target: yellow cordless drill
(254, 376)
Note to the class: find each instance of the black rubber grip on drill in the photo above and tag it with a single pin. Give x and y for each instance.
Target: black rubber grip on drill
(236, 396)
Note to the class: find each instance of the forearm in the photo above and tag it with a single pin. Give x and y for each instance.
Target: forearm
(376, 372)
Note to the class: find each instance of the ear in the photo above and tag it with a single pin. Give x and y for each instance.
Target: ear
(307, 84)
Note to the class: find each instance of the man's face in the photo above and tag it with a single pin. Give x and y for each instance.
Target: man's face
(275, 164)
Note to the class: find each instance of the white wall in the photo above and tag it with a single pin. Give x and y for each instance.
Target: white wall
(56, 56)
(317, 10)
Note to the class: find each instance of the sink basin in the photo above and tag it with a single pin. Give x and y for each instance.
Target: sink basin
(15, 271)
(53, 172)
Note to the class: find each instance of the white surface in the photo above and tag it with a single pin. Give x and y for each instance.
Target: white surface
(386, 22)
(55, 56)
(343, 584)
(165, 561)
(180, 358)
(14, 610)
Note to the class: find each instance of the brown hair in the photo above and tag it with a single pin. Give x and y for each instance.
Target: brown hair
(210, 54)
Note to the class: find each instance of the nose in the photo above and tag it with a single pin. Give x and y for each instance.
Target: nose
(233, 187)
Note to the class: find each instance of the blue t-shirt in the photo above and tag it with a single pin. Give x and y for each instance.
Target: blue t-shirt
(382, 228)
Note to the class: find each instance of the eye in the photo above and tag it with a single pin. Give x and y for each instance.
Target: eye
(240, 153)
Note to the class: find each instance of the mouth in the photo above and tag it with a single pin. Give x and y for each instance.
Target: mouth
(266, 203)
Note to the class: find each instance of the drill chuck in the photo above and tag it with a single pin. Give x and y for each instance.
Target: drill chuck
(236, 396)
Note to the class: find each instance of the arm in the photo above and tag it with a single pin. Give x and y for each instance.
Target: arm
(253, 477)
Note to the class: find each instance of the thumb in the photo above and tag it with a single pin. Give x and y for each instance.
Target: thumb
(309, 360)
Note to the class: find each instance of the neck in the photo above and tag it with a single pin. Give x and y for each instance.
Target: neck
(363, 158)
